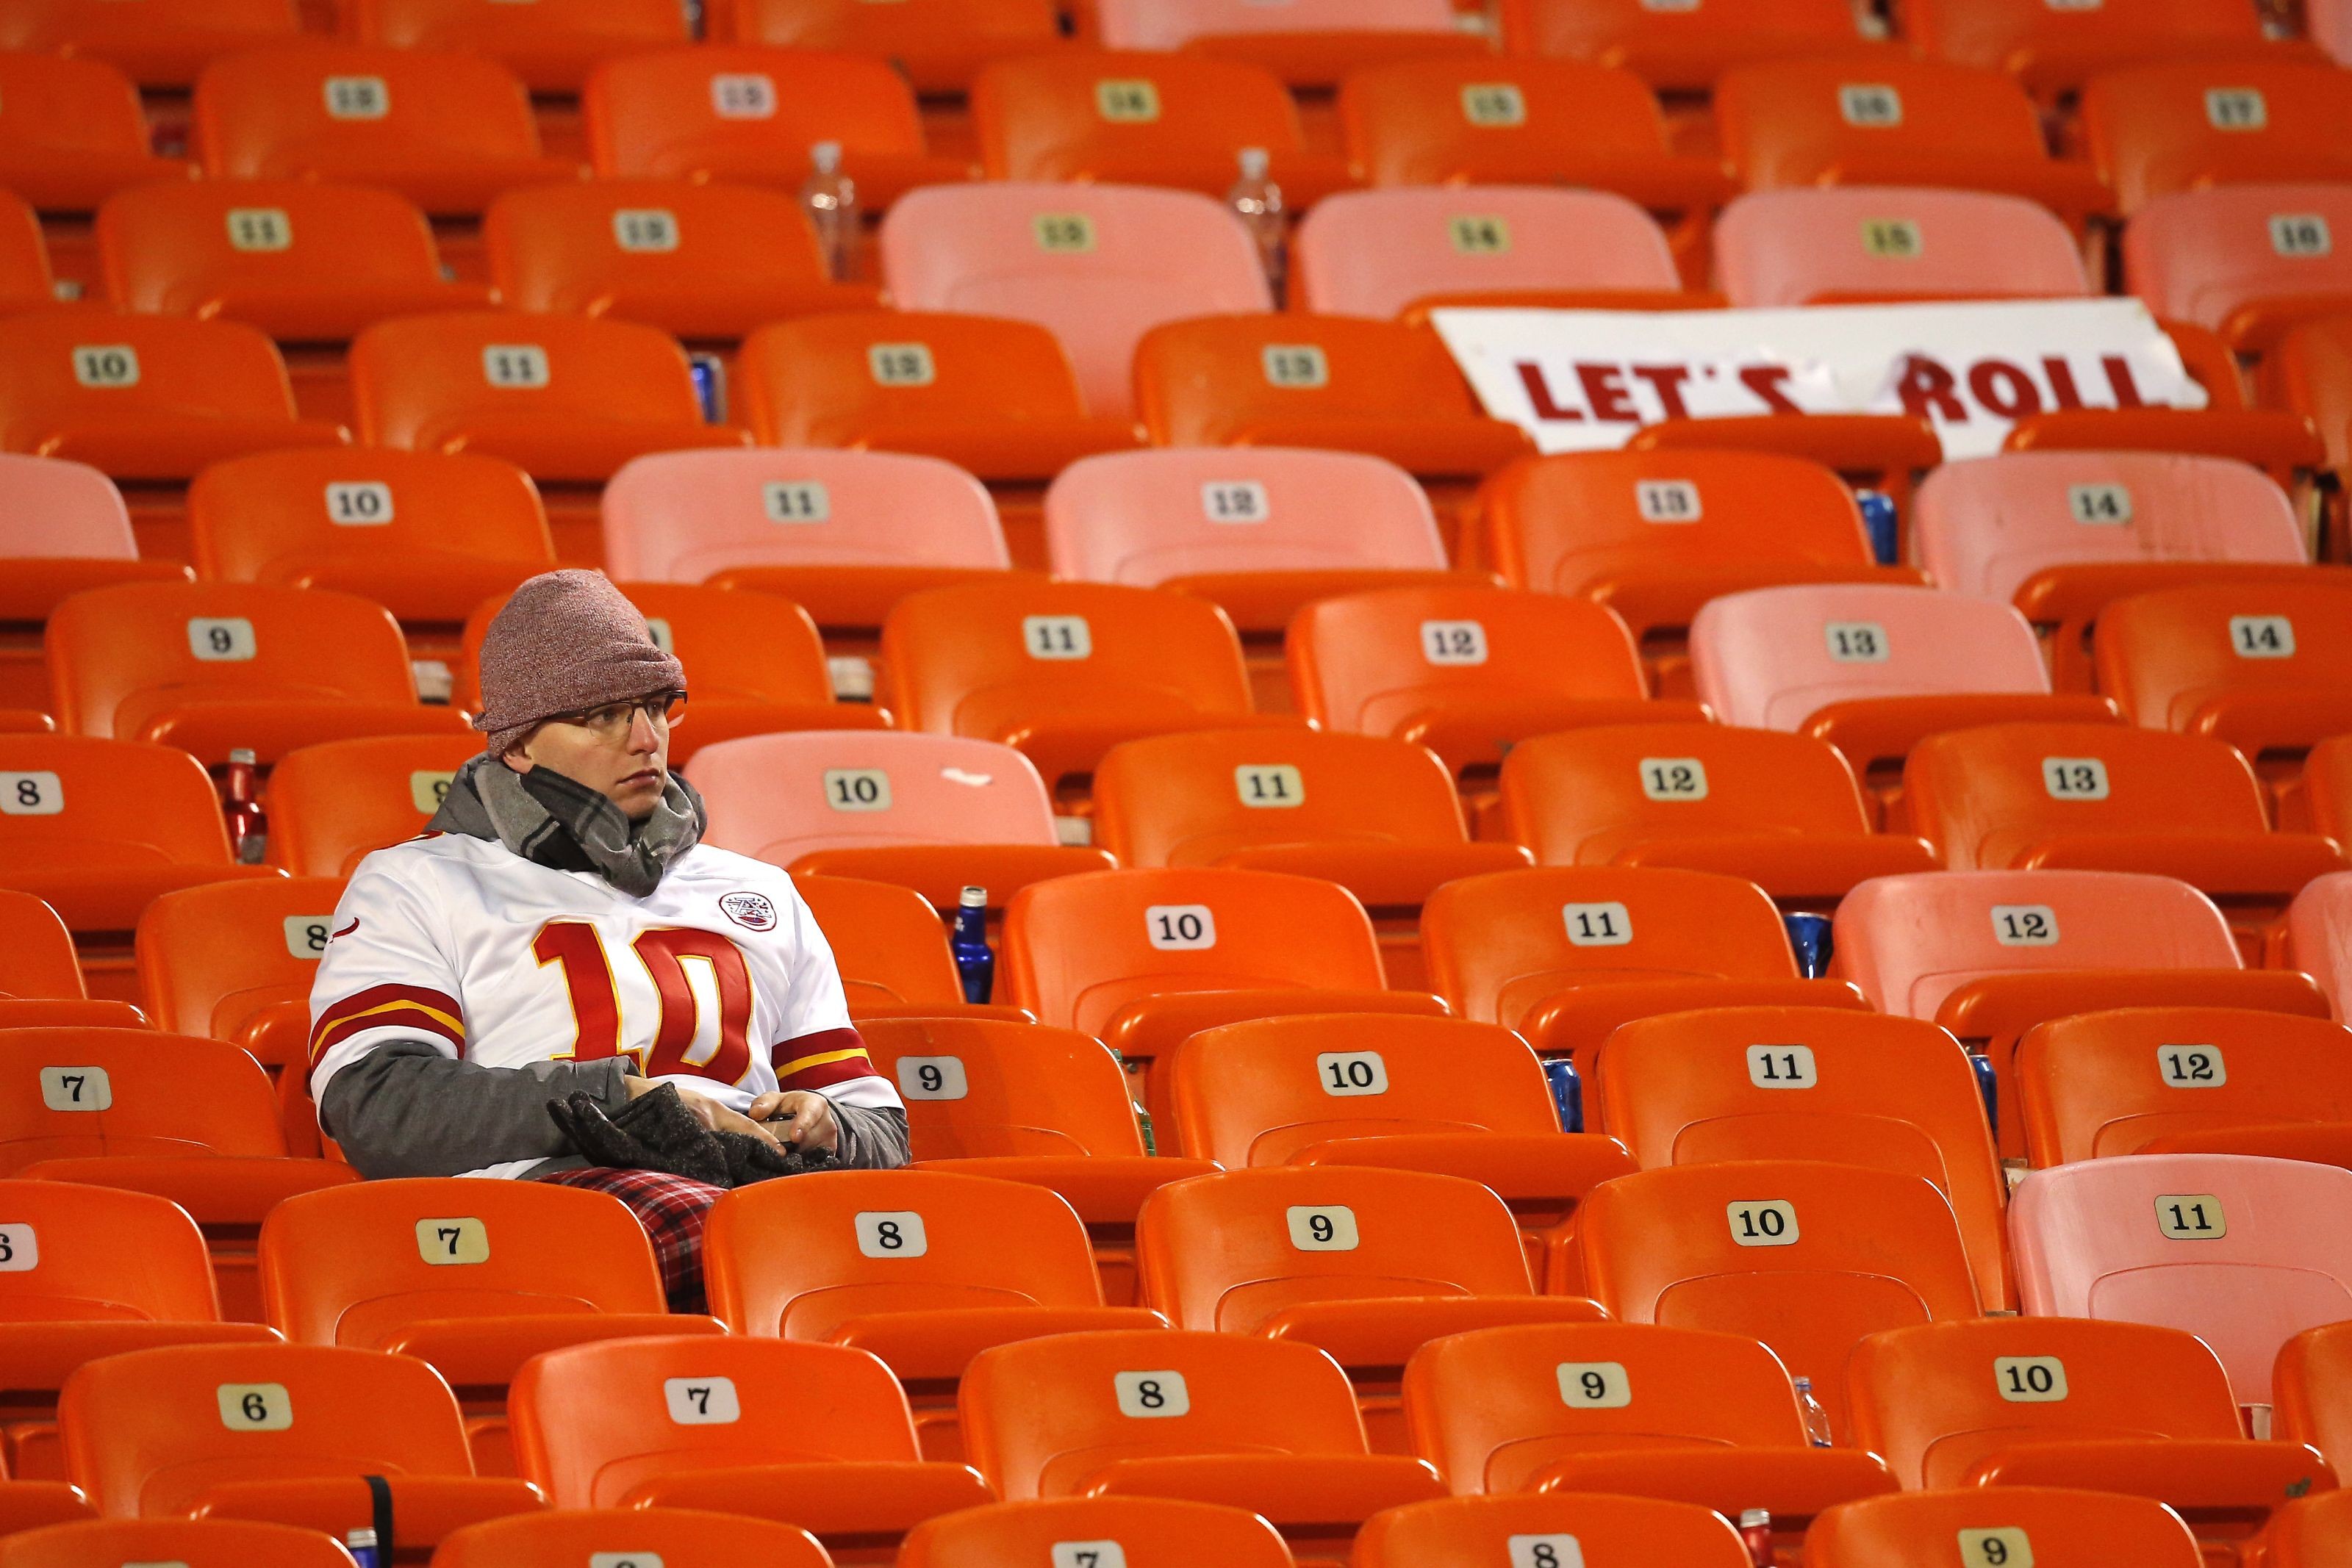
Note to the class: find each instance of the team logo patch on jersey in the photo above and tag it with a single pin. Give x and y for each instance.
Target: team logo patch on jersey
(751, 911)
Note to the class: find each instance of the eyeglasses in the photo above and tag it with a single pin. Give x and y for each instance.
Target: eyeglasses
(663, 710)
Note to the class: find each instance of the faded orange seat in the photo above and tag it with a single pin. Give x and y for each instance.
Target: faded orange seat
(72, 132)
(2247, 261)
(63, 528)
(1309, 44)
(553, 47)
(1853, 243)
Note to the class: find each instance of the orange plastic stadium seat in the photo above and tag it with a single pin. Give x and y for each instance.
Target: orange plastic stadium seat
(551, 47)
(1860, 1088)
(2060, 1526)
(1364, 1263)
(305, 261)
(1872, 669)
(212, 667)
(1401, 251)
(1865, 245)
(933, 812)
(1565, 955)
(1311, 44)
(2243, 1251)
(2262, 665)
(474, 1278)
(189, 1542)
(429, 536)
(1261, 530)
(1022, 1102)
(748, 114)
(701, 261)
(1654, 535)
(2185, 1080)
(1682, 48)
(1467, 672)
(889, 945)
(992, 396)
(759, 665)
(1061, 671)
(1445, 1095)
(1466, 1531)
(72, 132)
(2153, 130)
(40, 975)
(279, 1432)
(2313, 1532)
(2324, 798)
(92, 1272)
(814, 1435)
(1782, 810)
(330, 805)
(844, 535)
(1145, 118)
(923, 1269)
(569, 1537)
(161, 44)
(2313, 1392)
(63, 528)
(1808, 1257)
(146, 397)
(564, 397)
(98, 827)
(2247, 261)
(937, 45)
(1146, 1531)
(1990, 954)
(1339, 382)
(1215, 1418)
(25, 280)
(2055, 49)
(1099, 265)
(1642, 1409)
(2310, 374)
(234, 961)
(1879, 122)
(2111, 798)
(1517, 120)
(1140, 958)
(448, 130)
(2062, 533)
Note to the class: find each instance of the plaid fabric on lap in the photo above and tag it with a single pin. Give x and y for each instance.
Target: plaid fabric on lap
(672, 1209)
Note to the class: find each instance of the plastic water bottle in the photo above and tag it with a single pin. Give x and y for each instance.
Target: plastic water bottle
(1755, 1534)
(1809, 938)
(360, 1545)
(1257, 202)
(1567, 1092)
(1817, 1420)
(1988, 1089)
(1878, 521)
(248, 824)
(975, 964)
(830, 199)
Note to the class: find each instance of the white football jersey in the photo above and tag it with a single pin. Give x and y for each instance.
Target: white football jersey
(719, 980)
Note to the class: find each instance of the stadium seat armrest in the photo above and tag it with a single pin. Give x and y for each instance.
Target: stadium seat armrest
(1868, 731)
(1383, 876)
(160, 447)
(1463, 444)
(1853, 443)
(1666, 597)
(1265, 600)
(271, 729)
(2321, 1142)
(1292, 1491)
(2256, 328)
(2262, 719)
(1520, 1168)
(2003, 1007)
(278, 1035)
(1787, 1481)
(2277, 441)
(1385, 1333)
(428, 1507)
(2060, 594)
(2221, 864)
(849, 596)
(36, 1358)
(2187, 1473)
(1006, 450)
(1153, 1026)
(574, 449)
(940, 872)
(1819, 865)
(825, 1497)
(32, 587)
(936, 1345)
(1106, 1189)
(484, 1353)
(1576, 1021)
(28, 1505)
(1475, 732)
(216, 1189)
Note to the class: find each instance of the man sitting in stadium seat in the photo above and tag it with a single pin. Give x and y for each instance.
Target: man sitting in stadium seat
(558, 944)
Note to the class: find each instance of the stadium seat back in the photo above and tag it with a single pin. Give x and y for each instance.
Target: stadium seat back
(105, 825)
(1152, 118)
(2188, 658)
(76, 134)
(361, 1265)
(937, 45)
(2312, 1406)
(732, 111)
(1044, 1415)
(1934, 1399)
(594, 1422)
(2319, 936)
(1861, 244)
(887, 943)
(1078, 949)
(1988, 525)
(213, 960)
(300, 260)
(98, 1254)
(2056, 1524)
(2052, 47)
(634, 1535)
(1582, 524)
(36, 951)
(1806, 1256)
(2310, 372)
(1911, 941)
(1501, 944)
(2245, 260)
(80, 1092)
(1797, 122)
(60, 510)
(1460, 1531)
(2242, 1251)
(2154, 129)
(1678, 49)
(162, 46)
(445, 129)
(551, 47)
(1818, 1083)
(1773, 657)
(331, 805)
(1378, 253)
(1439, 121)
(1093, 263)
(1231, 1252)
(1492, 1408)
(1263, 1092)
(981, 1087)
(193, 1542)
(1149, 1532)
(777, 798)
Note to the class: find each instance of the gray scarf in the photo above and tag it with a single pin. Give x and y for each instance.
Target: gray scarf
(552, 820)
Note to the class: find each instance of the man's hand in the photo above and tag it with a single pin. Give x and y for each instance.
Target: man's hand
(809, 1116)
(711, 1114)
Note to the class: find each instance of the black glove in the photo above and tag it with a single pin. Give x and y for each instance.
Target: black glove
(656, 1132)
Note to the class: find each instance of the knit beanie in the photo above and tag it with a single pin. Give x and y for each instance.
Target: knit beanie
(567, 642)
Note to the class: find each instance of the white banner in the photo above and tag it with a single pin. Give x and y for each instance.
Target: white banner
(1580, 381)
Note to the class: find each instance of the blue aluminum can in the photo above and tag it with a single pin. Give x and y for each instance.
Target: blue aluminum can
(1878, 519)
(1567, 1092)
